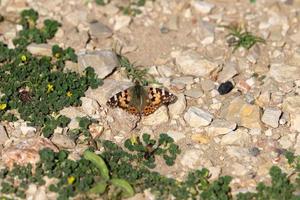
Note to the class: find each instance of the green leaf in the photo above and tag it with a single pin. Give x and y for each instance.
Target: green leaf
(98, 162)
(99, 188)
(127, 190)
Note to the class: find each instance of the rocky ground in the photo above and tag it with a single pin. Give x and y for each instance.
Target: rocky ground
(184, 45)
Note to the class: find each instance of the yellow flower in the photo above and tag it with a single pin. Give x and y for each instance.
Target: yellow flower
(3, 106)
(23, 58)
(69, 94)
(57, 55)
(71, 180)
(133, 140)
(49, 88)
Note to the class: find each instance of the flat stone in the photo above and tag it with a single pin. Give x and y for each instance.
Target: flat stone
(284, 73)
(160, 116)
(165, 70)
(176, 135)
(190, 158)
(242, 113)
(192, 63)
(207, 85)
(40, 49)
(227, 73)
(286, 142)
(291, 105)
(197, 117)
(108, 89)
(25, 151)
(90, 106)
(186, 80)
(239, 137)
(103, 61)
(63, 141)
(99, 30)
(250, 116)
(202, 6)
(220, 127)
(76, 17)
(121, 22)
(122, 121)
(200, 138)
(194, 93)
(271, 117)
(177, 108)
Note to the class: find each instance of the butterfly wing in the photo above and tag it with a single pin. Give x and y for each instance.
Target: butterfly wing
(157, 97)
(122, 100)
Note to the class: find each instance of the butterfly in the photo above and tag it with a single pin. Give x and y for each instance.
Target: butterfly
(140, 100)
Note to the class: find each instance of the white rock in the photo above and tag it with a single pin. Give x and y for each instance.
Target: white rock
(227, 73)
(190, 158)
(99, 30)
(239, 137)
(197, 117)
(186, 80)
(214, 172)
(291, 105)
(40, 194)
(165, 70)
(295, 121)
(160, 116)
(220, 127)
(176, 135)
(238, 169)
(108, 89)
(71, 112)
(121, 22)
(90, 106)
(177, 108)
(202, 6)
(63, 141)
(297, 145)
(284, 73)
(271, 117)
(269, 132)
(40, 49)
(27, 130)
(192, 63)
(103, 61)
(76, 17)
(255, 131)
(194, 93)
(286, 142)
(25, 151)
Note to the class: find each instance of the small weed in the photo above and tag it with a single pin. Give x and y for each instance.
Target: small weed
(138, 76)
(36, 86)
(238, 37)
(147, 148)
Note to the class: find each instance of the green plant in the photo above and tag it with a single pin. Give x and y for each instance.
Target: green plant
(102, 2)
(238, 37)
(124, 189)
(147, 148)
(138, 76)
(37, 87)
